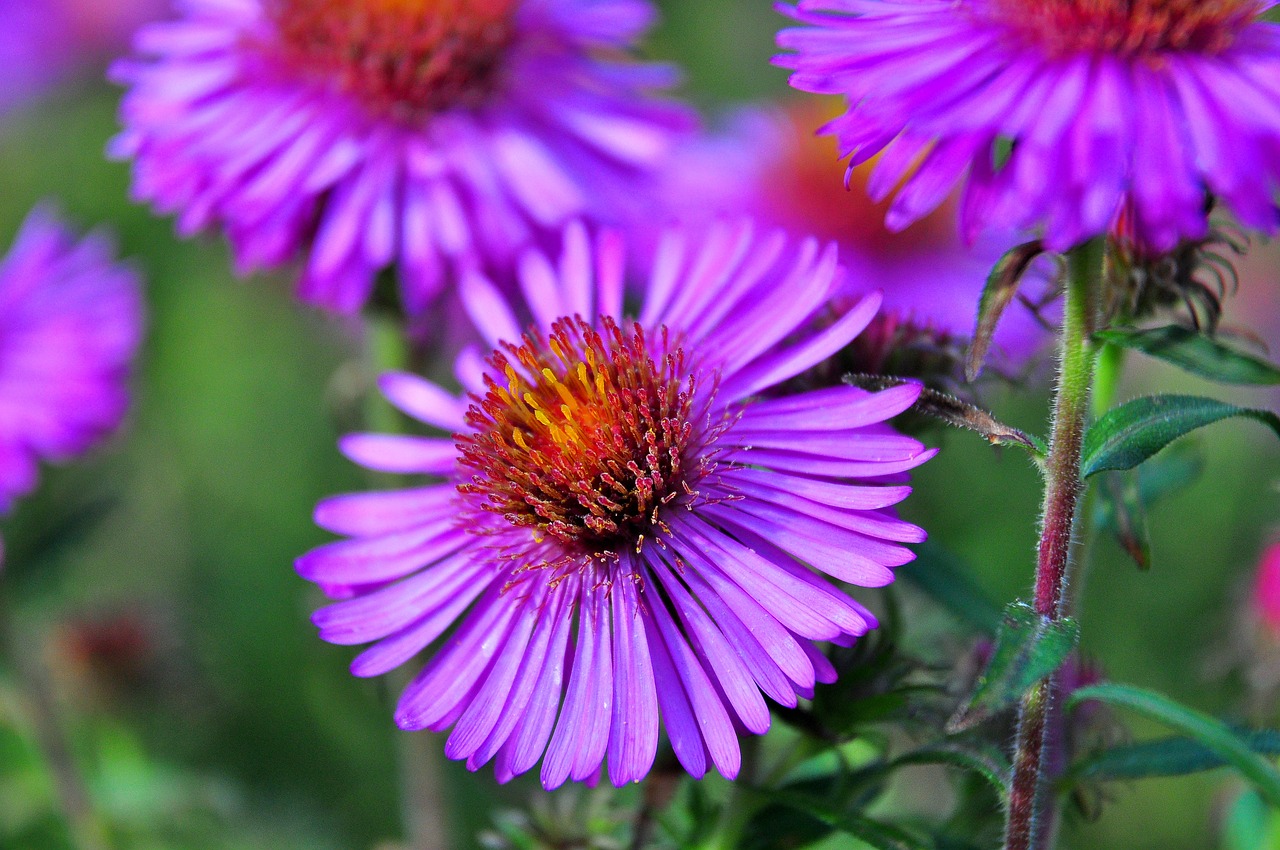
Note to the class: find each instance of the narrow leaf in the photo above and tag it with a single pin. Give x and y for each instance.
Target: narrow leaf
(948, 581)
(1028, 647)
(956, 412)
(1129, 517)
(1196, 353)
(1130, 434)
(990, 764)
(881, 836)
(1002, 286)
(1232, 747)
(1174, 756)
(1168, 473)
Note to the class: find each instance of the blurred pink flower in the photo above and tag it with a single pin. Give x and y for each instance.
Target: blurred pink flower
(771, 164)
(1266, 590)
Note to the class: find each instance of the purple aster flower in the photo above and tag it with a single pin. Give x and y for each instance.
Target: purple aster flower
(362, 134)
(621, 528)
(771, 165)
(1055, 113)
(70, 323)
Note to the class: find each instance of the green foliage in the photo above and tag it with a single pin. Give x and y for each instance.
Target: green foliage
(1173, 756)
(1028, 648)
(1127, 497)
(945, 578)
(1232, 747)
(1134, 432)
(1195, 352)
(998, 293)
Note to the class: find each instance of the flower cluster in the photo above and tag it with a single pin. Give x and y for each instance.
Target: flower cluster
(621, 528)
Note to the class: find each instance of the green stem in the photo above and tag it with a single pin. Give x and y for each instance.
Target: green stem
(1110, 366)
(422, 793)
(1028, 801)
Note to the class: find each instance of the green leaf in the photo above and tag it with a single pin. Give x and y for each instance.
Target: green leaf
(1250, 824)
(1119, 515)
(1028, 647)
(1196, 353)
(1130, 434)
(1002, 286)
(1233, 748)
(1173, 756)
(947, 580)
(1128, 516)
(881, 836)
(986, 762)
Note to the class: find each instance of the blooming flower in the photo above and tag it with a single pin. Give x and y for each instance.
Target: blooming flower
(1060, 112)
(361, 134)
(620, 526)
(70, 323)
(771, 165)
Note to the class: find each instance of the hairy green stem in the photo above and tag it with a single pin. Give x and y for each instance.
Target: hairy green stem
(1027, 817)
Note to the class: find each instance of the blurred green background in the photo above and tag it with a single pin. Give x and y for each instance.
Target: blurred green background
(220, 720)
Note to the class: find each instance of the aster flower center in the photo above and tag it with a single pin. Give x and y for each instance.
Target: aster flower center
(1127, 27)
(588, 438)
(410, 56)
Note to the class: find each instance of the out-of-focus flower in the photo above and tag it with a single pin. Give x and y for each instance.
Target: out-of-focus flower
(70, 323)
(772, 165)
(622, 481)
(44, 43)
(1266, 590)
(1251, 652)
(427, 135)
(1054, 113)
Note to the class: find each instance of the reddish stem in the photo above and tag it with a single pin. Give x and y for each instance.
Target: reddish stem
(1028, 802)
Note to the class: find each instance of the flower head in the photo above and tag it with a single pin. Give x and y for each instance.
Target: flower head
(362, 134)
(621, 528)
(1056, 113)
(771, 165)
(70, 323)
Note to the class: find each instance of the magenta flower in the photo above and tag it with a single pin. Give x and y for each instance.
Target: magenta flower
(1266, 589)
(1054, 113)
(428, 135)
(70, 323)
(771, 165)
(621, 529)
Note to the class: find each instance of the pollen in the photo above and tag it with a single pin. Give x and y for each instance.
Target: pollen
(1136, 28)
(412, 58)
(587, 437)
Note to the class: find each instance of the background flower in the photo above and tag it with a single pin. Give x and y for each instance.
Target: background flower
(1055, 114)
(623, 479)
(70, 323)
(771, 163)
(361, 135)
